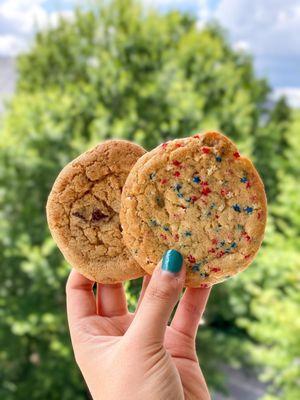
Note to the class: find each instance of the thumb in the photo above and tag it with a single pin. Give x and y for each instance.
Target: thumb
(160, 298)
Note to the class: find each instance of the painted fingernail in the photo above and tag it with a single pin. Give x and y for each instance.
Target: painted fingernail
(172, 261)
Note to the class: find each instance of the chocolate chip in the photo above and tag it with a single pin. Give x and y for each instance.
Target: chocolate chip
(97, 215)
(204, 274)
(160, 202)
(78, 215)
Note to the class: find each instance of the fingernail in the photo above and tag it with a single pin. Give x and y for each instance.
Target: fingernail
(172, 261)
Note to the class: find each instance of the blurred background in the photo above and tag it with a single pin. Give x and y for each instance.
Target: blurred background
(75, 73)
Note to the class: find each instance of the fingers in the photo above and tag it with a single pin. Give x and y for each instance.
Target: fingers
(159, 299)
(111, 300)
(190, 310)
(80, 298)
(146, 281)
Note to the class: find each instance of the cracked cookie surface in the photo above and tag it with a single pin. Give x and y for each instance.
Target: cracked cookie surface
(199, 196)
(83, 212)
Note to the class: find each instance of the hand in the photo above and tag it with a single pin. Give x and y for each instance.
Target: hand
(137, 356)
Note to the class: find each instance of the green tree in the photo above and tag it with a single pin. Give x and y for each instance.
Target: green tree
(274, 321)
(119, 71)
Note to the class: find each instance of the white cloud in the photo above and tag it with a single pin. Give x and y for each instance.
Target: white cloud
(242, 45)
(269, 26)
(19, 20)
(54, 17)
(165, 5)
(20, 16)
(11, 45)
(162, 3)
(204, 11)
(270, 30)
(292, 94)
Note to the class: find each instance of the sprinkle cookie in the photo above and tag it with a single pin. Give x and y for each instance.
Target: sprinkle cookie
(83, 212)
(201, 197)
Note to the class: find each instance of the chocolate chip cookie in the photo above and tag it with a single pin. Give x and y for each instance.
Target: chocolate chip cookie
(83, 212)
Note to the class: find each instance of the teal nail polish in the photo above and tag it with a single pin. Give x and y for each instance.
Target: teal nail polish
(172, 261)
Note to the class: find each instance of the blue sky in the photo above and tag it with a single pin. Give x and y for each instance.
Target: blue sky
(268, 29)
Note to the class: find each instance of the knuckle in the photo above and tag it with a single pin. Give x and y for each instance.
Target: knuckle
(158, 293)
(191, 308)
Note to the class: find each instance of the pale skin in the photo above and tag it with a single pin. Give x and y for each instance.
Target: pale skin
(134, 356)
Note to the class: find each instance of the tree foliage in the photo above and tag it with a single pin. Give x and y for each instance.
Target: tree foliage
(119, 71)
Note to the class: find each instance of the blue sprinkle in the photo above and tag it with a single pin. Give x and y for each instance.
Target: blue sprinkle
(218, 158)
(196, 179)
(244, 179)
(180, 195)
(240, 227)
(233, 245)
(188, 233)
(237, 208)
(153, 222)
(178, 187)
(188, 199)
(196, 267)
(248, 210)
(166, 228)
(213, 205)
(222, 243)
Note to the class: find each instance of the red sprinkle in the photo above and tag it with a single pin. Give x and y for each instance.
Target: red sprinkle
(177, 174)
(164, 145)
(214, 241)
(163, 236)
(176, 163)
(259, 215)
(246, 236)
(196, 136)
(204, 285)
(217, 216)
(179, 145)
(223, 192)
(248, 185)
(230, 236)
(211, 250)
(206, 191)
(215, 269)
(236, 154)
(176, 237)
(191, 259)
(204, 183)
(164, 181)
(205, 150)
(220, 254)
(247, 255)
(194, 198)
